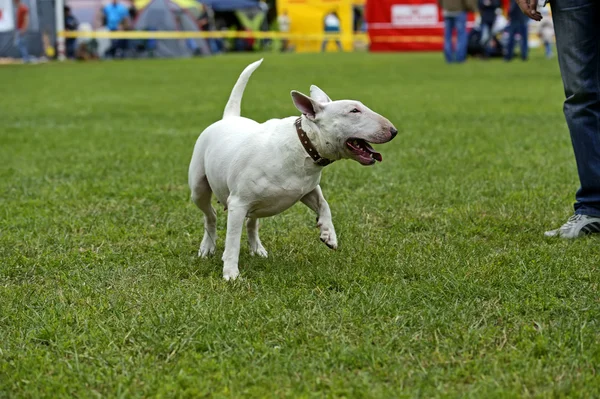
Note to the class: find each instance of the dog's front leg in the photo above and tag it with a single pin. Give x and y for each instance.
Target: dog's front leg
(315, 201)
(236, 213)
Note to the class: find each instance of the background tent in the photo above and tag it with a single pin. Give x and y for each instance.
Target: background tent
(165, 15)
(190, 5)
(41, 22)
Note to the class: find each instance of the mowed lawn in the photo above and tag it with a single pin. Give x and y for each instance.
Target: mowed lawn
(443, 284)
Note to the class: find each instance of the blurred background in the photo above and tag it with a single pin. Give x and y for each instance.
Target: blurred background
(108, 29)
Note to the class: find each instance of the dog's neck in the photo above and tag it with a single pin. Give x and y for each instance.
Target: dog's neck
(324, 148)
(310, 149)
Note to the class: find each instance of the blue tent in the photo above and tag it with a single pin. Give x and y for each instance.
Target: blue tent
(230, 5)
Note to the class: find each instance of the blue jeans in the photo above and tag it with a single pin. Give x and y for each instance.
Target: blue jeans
(486, 37)
(517, 28)
(458, 22)
(70, 47)
(548, 49)
(577, 30)
(215, 46)
(21, 44)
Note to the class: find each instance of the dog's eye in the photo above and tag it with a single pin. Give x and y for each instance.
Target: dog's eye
(355, 111)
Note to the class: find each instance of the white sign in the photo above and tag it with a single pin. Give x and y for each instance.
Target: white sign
(7, 16)
(414, 14)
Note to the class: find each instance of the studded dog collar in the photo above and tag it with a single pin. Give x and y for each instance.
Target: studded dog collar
(309, 147)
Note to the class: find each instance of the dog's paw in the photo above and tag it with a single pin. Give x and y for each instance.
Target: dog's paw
(256, 247)
(230, 274)
(259, 251)
(328, 235)
(329, 238)
(207, 248)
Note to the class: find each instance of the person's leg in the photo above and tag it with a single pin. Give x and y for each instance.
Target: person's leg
(73, 47)
(69, 48)
(129, 47)
(193, 46)
(22, 45)
(112, 49)
(462, 37)
(337, 41)
(548, 47)
(214, 47)
(489, 42)
(123, 44)
(486, 33)
(510, 46)
(448, 29)
(524, 41)
(577, 28)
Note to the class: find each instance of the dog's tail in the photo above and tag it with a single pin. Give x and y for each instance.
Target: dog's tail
(233, 107)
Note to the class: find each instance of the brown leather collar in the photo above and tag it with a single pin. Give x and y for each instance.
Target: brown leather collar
(309, 147)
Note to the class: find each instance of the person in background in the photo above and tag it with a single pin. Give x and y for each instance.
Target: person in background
(264, 7)
(518, 26)
(22, 18)
(71, 25)
(455, 19)
(206, 23)
(116, 15)
(203, 19)
(217, 45)
(131, 45)
(332, 25)
(356, 19)
(203, 26)
(132, 11)
(577, 36)
(283, 21)
(487, 13)
(546, 33)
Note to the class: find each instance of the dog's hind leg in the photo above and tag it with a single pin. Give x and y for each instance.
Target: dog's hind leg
(256, 247)
(237, 211)
(201, 194)
(315, 201)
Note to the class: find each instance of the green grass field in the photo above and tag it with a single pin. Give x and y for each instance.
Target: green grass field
(443, 285)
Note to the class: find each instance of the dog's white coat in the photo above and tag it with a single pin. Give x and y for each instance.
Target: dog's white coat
(261, 169)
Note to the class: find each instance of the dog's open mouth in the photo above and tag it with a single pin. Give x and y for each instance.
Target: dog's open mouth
(363, 152)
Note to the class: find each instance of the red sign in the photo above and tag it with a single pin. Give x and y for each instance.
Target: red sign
(406, 25)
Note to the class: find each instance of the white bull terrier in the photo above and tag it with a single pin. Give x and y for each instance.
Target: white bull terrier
(258, 170)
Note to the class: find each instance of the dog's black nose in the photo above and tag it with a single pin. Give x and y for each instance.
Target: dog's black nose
(393, 131)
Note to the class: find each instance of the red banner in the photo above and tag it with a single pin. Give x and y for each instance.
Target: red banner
(406, 25)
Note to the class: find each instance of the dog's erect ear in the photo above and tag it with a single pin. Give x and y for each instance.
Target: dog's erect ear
(306, 105)
(319, 95)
